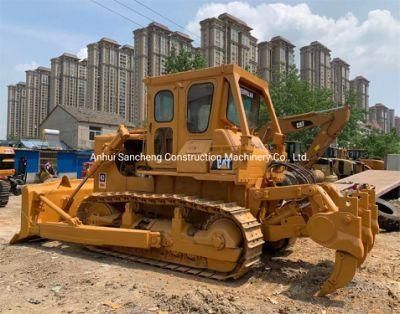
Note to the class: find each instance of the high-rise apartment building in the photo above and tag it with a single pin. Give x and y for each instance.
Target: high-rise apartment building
(359, 86)
(37, 99)
(11, 111)
(282, 53)
(67, 81)
(126, 82)
(264, 53)
(382, 116)
(391, 120)
(397, 124)
(28, 104)
(227, 39)
(82, 83)
(110, 77)
(340, 80)
(16, 111)
(315, 65)
(274, 56)
(153, 45)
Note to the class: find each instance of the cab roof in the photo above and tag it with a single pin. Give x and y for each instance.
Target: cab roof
(222, 70)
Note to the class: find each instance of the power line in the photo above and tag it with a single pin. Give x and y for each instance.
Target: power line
(139, 13)
(117, 13)
(164, 17)
(133, 10)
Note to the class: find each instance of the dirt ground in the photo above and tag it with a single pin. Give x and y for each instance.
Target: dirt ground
(54, 277)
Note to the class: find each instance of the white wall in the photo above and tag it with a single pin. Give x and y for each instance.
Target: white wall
(83, 133)
(73, 133)
(65, 123)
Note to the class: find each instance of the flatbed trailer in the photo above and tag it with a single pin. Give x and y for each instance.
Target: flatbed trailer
(385, 182)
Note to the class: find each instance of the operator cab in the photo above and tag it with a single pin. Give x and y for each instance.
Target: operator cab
(200, 111)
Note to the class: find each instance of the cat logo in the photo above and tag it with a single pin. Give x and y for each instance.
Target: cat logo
(222, 164)
(299, 124)
(102, 180)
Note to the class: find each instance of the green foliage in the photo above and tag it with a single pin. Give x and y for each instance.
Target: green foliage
(248, 69)
(198, 62)
(183, 61)
(352, 133)
(263, 115)
(291, 95)
(379, 144)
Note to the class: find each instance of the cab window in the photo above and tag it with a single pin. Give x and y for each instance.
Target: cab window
(251, 103)
(164, 106)
(163, 141)
(199, 107)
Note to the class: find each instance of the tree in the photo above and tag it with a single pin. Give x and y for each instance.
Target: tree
(379, 144)
(198, 61)
(291, 95)
(183, 61)
(352, 133)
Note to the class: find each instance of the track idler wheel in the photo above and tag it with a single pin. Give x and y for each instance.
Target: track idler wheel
(343, 272)
(98, 214)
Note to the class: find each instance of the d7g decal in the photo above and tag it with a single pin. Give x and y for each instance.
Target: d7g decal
(102, 180)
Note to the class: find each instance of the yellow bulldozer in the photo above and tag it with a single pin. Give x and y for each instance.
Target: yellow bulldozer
(10, 181)
(6, 170)
(197, 191)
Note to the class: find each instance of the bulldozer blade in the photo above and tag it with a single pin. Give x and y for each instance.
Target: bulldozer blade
(343, 272)
(34, 211)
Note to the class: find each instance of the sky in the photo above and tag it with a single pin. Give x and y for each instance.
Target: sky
(364, 33)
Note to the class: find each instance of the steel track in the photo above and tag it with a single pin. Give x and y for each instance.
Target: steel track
(247, 223)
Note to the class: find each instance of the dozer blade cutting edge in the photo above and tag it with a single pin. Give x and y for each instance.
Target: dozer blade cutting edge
(35, 213)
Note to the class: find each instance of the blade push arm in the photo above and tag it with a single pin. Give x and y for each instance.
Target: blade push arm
(117, 141)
